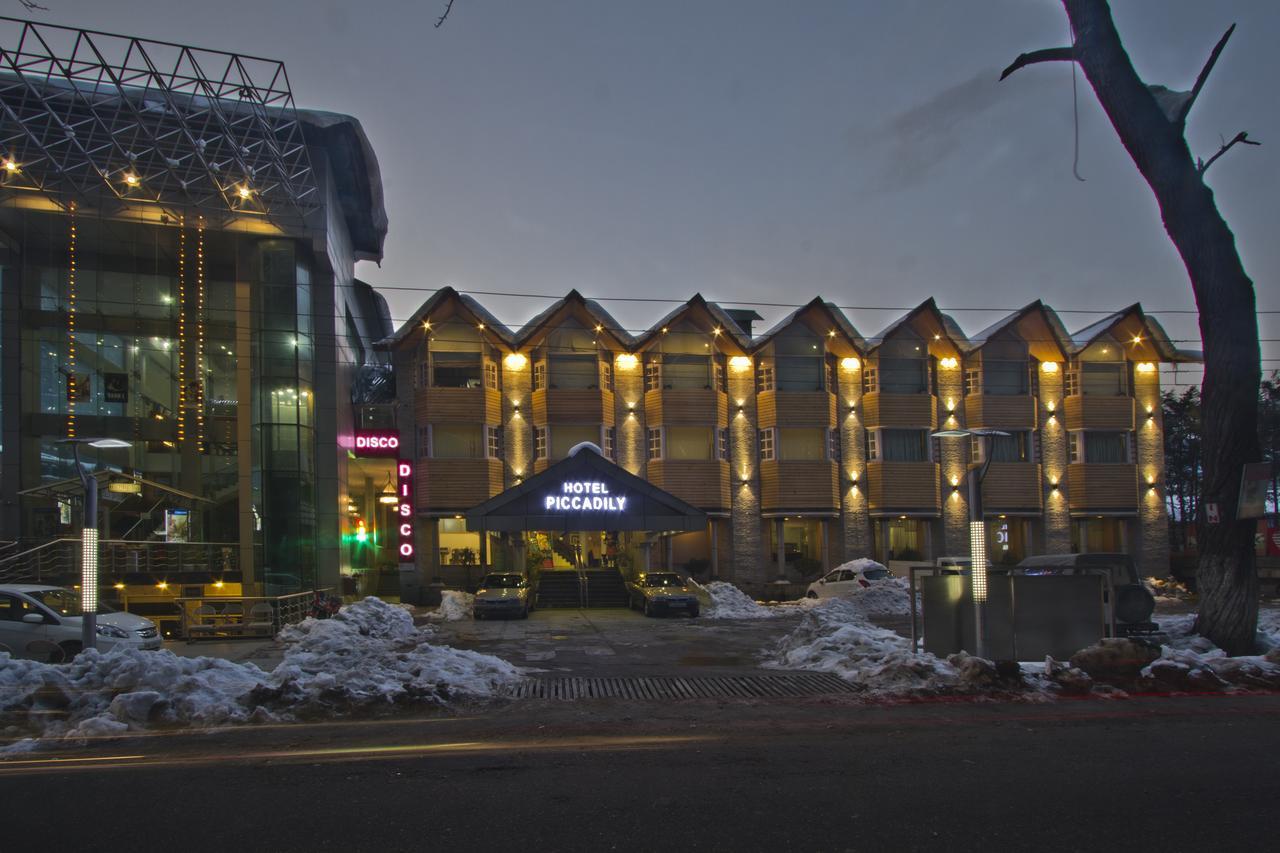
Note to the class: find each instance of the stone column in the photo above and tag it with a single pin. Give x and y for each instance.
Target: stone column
(628, 395)
(1153, 520)
(1051, 417)
(855, 520)
(517, 429)
(746, 563)
(953, 461)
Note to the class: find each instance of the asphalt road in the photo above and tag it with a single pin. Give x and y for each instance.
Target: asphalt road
(1168, 774)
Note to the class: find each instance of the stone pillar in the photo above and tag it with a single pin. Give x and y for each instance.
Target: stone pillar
(628, 395)
(1153, 520)
(517, 429)
(1052, 433)
(953, 462)
(746, 563)
(855, 520)
(714, 534)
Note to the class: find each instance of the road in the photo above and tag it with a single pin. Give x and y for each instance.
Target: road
(1168, 774)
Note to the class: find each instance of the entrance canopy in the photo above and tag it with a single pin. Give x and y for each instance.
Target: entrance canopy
(585, 491)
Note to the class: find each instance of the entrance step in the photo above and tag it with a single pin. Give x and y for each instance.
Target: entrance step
(559, 589)
(605, 588)
(667, 688)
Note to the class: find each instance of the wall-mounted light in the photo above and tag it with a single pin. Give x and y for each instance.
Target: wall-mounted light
(1049, 366)
(853, 407)
(1146, 367)
(740, 362)
(515, 361)
(1137, 339)
(850, 363)
(627, 361)
(426, 324)
(716, 331)
(951, 404)
(1052, 419)
(1050, 405)
(515, 408)
(949, 362)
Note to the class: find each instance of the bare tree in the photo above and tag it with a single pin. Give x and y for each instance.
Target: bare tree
(1150, 121)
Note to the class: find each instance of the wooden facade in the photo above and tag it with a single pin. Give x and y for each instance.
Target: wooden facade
(908, 411)
(996, 411)
(456, 484)
(903, 487)
(572, 406)
(686, 407)
(796, 485)
(1012, 486)
(457, 406)
(1107, 413)
(1102, 488)
(703, 483)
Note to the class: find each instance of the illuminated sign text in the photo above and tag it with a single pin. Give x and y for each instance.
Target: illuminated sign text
(584, 495)
(376, 443)
(404, 509)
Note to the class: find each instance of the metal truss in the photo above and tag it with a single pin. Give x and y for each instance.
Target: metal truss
(111, 120)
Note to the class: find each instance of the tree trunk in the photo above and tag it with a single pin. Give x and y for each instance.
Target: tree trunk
(1226, 577)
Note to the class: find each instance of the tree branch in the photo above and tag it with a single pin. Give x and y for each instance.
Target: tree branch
(1204, 74)
(448, 7)
(1202, 166)
(32, 6)
(1049, 54)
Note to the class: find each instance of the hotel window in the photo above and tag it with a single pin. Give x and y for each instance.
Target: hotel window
(654, 436)
(493, 442)
(1103, 370)
(686, 372)
(1004, 366)
(424, 374)
(722, 445)
(573, 371)
(766, 444)
(454, 356)
(456, 441)
(606, 376)
(802, 443)
(904, 364)
(904, 445)
(873, 445)
(652, 374)
(1073, 447)
(539, 375)
(1106, 447)
(567, 436)
(1014, 447)
(764, 377)
(972, 380)
(610, 442)
(491, 375)
(424, 442)
(689, 443)
(799, 359)
(539, 442)
(831, 378)
(1071, 383)
(870, 379)
(833, 445)
(721, 381)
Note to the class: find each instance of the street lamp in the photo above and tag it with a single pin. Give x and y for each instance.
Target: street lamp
(977, 532)
(89, 540)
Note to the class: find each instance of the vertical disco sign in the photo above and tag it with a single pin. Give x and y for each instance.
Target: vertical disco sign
(404, 512)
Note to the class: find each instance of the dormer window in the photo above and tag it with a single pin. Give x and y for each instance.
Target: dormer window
(455, 357)
(1005, 367)
(904, 364)
(1103, 370)
(799, 358)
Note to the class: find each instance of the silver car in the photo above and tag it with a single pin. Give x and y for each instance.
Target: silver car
(503, 594)
(662, 592)
(44, 623)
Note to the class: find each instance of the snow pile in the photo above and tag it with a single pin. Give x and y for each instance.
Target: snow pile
(729, 602)
(455, 606)
(1269, 628)
(889, 597)
(368, 656)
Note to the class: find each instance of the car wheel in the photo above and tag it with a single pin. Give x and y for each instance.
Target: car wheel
(66, 652)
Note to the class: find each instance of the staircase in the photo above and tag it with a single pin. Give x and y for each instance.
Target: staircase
(559, 589)
(605, 588)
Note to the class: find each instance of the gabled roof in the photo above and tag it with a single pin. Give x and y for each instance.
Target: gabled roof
(949, 327)
(1060, 337)
(830, 310)
(722, 317)
(479, 312)
(646, 507)
(593, 309)
(1155, 333)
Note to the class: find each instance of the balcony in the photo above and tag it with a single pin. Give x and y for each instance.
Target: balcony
(1097, 412)
(914, 411)
(1099, 487)
(456, 484)
(457, 405)
(685, 407)
(572, 406)
(796, 408)
(996, 411)
(902, 486)
(799, 485)
(1012, 487)
(703, 483)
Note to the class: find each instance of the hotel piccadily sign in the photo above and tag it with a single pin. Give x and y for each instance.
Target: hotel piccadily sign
(585, 496)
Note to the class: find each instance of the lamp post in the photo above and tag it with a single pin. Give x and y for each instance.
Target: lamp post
(977, 532)
(89, 541)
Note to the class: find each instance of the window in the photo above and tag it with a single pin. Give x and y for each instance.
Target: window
(456, 441)
(606, 376)
(833, 445)
(610, 442)
(904, 375)
(456, 370)
(766, 444)
(1073, 447)
(831, 379)
(1004, 378)
(905, 445)
(653, 374)
(424, 442)
(1014, 447)
(764, 377)
(972, 380)
(802, 443)
(873, 445)
(491, 375)
(799, 372)
(539, 375)
(870, 380)
(720, 381)
(654, 437)
(689, 443)
(722, 445)
(1071, 384)
(539, 442)
(424, 375)
(1106, 447)
(566, 436)
(1103, 379)
(493, 442)
(574, 371)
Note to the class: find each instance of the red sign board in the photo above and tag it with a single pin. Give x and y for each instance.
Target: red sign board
(376, 443)
(404, 510)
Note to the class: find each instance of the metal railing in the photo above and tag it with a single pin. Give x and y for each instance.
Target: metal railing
(226, 616)
(60, 558)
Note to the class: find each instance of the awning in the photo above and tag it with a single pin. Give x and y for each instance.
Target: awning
(585, 491)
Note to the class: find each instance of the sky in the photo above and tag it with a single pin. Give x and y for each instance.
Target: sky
(762, 151)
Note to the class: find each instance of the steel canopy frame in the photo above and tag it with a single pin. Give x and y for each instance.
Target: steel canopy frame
(111, 120)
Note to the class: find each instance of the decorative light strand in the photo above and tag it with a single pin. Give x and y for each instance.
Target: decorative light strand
(182, 329)
(200, 378)
(72, 390)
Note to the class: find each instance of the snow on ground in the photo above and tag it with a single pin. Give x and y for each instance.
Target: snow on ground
(368, 656)
(729, 602)
(455, 606)
(888, 597)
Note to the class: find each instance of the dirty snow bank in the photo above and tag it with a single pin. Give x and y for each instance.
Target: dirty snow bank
(1168, 590)
(455, 606)
(729, 602)
(368, 656)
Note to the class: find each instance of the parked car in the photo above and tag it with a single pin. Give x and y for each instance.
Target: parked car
(503, 594)
(657, 592)
(1132, 603)
(44, 623)
(843, 580)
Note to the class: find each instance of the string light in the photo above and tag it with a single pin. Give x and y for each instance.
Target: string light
(72, 391)
(200, 292)
(182, 330)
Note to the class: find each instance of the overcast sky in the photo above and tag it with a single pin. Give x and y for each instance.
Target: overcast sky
(763, 151)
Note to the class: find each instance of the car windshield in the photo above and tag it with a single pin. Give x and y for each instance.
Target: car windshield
(662, 580)
(65, 602)
(875, 574)
(502, 581)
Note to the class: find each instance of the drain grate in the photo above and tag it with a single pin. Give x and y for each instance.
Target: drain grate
(669, 687)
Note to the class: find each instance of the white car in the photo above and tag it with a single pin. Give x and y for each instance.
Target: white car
(842, 580)
(44, 623)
